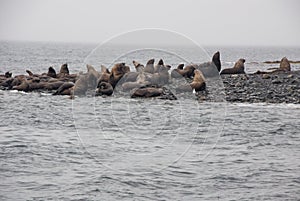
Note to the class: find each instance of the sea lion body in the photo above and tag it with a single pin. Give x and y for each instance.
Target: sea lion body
(147, 92)
(149, 66)
(238, 68)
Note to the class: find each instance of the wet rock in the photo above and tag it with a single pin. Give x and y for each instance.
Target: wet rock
(276, 81)
(266, 76)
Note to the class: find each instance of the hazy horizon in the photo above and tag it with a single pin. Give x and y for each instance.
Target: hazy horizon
(262, 23)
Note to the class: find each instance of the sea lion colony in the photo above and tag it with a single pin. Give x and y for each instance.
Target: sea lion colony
(149, 80)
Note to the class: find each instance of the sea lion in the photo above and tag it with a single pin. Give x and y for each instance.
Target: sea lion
(138, 66)
(64, 69)
(238, 68)
(198, 84)
(216, 60)
(65, 89)
(157, 68)
(51, 72)
(199, 81)
(149, 66)
(140, 82)
(104, 88)
(8, 75)
(178, 72)
(146, 92)
(285, 64)
(53, 85)
(105, 75)
(92, 76)
(212, 68)
(24, 86)
(189, 71)
(29, 73)
(118, 71)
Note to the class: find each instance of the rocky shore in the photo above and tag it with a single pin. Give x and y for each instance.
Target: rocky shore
(283, 87)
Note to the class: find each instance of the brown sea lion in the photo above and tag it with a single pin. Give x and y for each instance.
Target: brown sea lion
(178, 72)
(104, 88)
(146, 92)
(24, 86)
(285, 64)
(53, 85)
(64, 69)
(198, 83)
(238, 68)
(189, 71)
(118, 71)
(104, 75)
(149, 66)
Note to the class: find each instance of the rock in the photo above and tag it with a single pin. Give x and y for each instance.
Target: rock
(290, 76)
(276, 81)
(266, 76)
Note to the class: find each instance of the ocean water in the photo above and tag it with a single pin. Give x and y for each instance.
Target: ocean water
(115, 148)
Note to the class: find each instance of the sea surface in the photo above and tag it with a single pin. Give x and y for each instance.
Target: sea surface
(116, 148)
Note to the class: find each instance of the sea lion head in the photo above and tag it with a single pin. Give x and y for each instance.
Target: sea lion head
(138, 66)
(216, 60)
(29, 72)
(7, 74)
(180, 66)
(161, 62)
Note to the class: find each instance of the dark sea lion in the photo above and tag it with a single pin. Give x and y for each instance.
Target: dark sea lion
(216, 60)
(29, 72)
(53, 85)
(138, 66)
(51, 72)
(65, 89)
(146, 92)
(285, 64)
(157, 68)
(149, 66)
(180, 66)
(8, 75)
(104, 88)
(238, 68)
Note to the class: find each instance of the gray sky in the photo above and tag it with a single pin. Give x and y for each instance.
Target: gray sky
(211, 22)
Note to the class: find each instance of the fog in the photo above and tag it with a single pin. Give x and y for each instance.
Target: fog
(212, 22)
